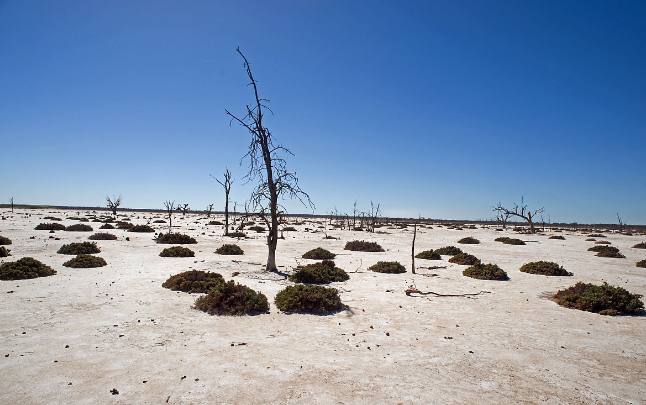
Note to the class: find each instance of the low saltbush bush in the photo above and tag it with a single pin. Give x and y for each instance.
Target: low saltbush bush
(448, 251)
(640, 246)
(215, 223)
(641, 263)
(257, 228)
(319, 254)
(106, 226)
(606, 251)
(177, 251)
(596, 235)
(237, 235)
(79, 228)
(561, 237)
(103, 236)
(159, 221)
(232, 299)
(602, 242)
(5, 241)
(85, 262)
(141, 228)
(175, 238)
(388, 267)
(50, 227)
(363, 246)
(469, 241)
(544, 268)
(485, 272)
(83, 248)
(229, 249)
(4, 252)
(26, 267)
(464, 259)
(428, 255)
(309, 299)
(319, 273)
(194, 281)
(510, 241)
(124, 225)
(603, 299)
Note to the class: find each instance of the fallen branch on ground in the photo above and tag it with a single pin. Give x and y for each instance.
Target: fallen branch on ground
(413, 290)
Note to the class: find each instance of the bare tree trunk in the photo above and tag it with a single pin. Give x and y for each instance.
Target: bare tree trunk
(413, 250)
(11, 200)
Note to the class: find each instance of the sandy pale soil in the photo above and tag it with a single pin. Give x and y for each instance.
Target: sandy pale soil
(75, 336)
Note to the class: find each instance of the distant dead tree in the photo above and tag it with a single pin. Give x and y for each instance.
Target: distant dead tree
(113, 203)
(354, 215)
(183, 208)
(267, 164)
(520, 212)
(227, 188)
(374, 214)
(621, 224)
(502, 217)
(209, 209)
(412, 255)
(11, 202)
(170, 206)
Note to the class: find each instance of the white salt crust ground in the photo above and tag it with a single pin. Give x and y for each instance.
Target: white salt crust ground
(125, 331)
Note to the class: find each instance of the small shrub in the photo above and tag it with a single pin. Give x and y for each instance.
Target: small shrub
(215, 223)
(464, 259)
(79, 228)
(85, 262)
(175, 238)
(4, 252)
(5, 241)
(590, 240)
(50, 227)
(609, 253)
(194, 281)
(604, 299)
(159, 221)
(319, 273)
(103, 236)
(237, 235)
(108, 220)
(602, 248)
(388, 267)
(641, 263)
(52, 218)
(106, 226)
(232, 299)
(257, 228)
(84, 248)
(485, 272)
(309, 299)
(177, 251)
(502, 239)
(289, 229)
(469, 241)
(319, 254)
(545, 269)
(596, 235)
(363, 246)
(141, 228)
(509, 241)
(640, 246)
(560, 237)
(26, 267)
(602, 242)
(428, 255)
(229, 249)
(124, 225)
(448, 251)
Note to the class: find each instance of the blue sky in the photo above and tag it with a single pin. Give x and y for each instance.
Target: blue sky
(437, 108)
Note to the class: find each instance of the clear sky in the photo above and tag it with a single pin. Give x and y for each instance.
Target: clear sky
(437, 108)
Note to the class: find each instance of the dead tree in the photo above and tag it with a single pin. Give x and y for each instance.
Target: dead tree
(413, 249)
(183, 208)
(113, 203)
(621, 224)
(209, 209)
(502, 217)
(374, 214)
(354, 215)
(267, 164)
(227, 188)
(11, 201)
(520, 212)
(170, 206)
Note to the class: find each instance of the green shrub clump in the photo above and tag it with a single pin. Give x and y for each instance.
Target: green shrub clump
(106, 226)
(544, 268)
(485, 272)
(103, 236)
(215, 223)
(606, 251)
(124, 225)
(26, 267)
(79, 228)
(319, 254)
(5, 241)
(641, 263)
(448, 251)
(428, 255)
(229, 249)
(309, 299)
(232, 299)
(175, 238)
(464, 259)
(85, 262)
(50, 227)
(640, 246)
(388, 267)
(4, 252)
(84, 248)
(177, 251)
(510, 241)
(319, 273)
(603, 299)
(469, 241)
(159, 221)
(141, 228)
(363, 246)
(561, 237)
(236, 235)
(257, 228)
(194, 281)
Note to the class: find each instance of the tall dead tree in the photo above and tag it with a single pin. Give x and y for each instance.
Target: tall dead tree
(11, 201)
(113, 203)
(209, 209)
(374, 214)
(502, 217)
(267, 164)
(520, 212)
(621, 224)
(170, 206)
(354, 215)
(227, 188)
(183, 208)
